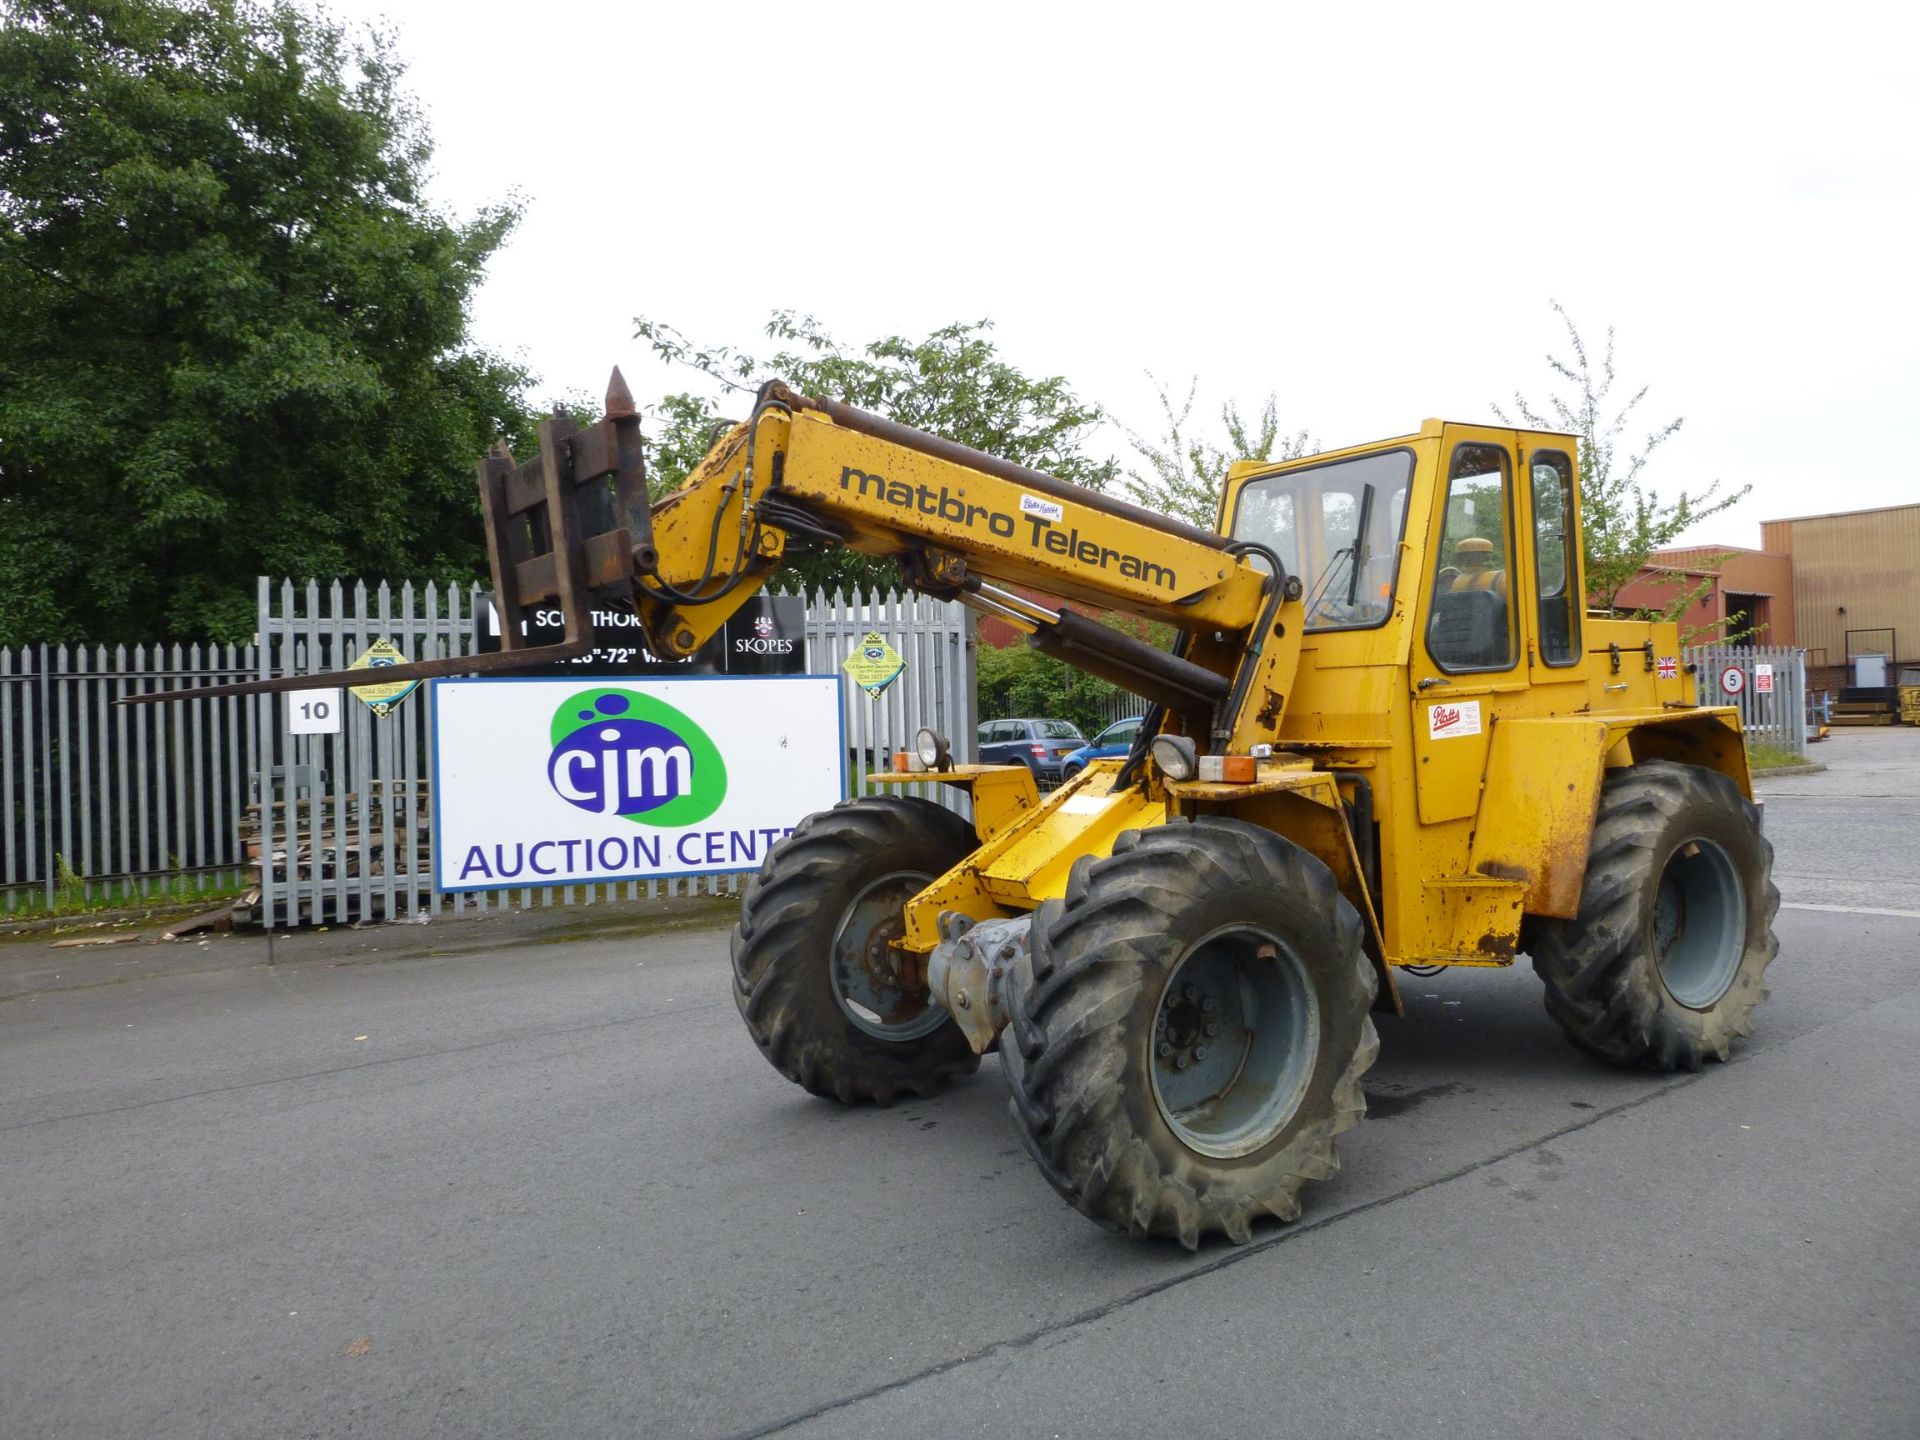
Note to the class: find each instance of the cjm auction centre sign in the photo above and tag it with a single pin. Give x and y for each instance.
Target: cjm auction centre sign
(553, 782)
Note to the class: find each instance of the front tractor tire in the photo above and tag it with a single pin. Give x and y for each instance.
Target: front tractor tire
(814, 976)
(1189, 1029)
(1664, 963)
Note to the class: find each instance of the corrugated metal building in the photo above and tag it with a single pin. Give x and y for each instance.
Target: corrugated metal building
(1856, 582)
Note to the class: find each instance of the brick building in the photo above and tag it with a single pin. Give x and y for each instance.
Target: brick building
(1749, 590)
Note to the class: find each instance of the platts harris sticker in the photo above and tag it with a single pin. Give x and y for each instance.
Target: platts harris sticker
(1451, 721)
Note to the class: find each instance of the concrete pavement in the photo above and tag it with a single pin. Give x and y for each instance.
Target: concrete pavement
(519, 1188)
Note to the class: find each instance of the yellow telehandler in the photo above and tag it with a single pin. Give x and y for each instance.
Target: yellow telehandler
(1388, 734)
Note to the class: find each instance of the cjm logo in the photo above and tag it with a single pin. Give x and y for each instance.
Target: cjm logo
(618, 752)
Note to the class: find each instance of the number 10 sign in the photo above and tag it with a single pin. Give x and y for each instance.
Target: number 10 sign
(313, 712)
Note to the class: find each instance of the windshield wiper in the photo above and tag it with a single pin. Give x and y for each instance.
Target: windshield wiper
(1331, 574)
(1360, 545)
(1354, 553)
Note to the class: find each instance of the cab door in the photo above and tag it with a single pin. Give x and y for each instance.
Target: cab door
(1469, 653)
(1550, 521)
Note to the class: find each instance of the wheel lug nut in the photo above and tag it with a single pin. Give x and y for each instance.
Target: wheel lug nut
(1213, 1027)
(1199, 1052)
(1166, 1050)
(1189, 992)
(1207, 1005)
(1181, 1062)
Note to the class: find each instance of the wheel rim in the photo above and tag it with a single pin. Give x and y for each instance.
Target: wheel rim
(1699, 923)
(1229, 1089)
(865, 982)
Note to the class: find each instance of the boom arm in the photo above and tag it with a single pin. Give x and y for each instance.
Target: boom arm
(572, 526)
(962, 523)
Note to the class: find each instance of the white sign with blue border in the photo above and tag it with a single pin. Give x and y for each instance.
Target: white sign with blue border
(557, 782)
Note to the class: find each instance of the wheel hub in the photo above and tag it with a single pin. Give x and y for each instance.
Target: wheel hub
(1185, 1026)
(867, 979)
(1234, 1042)
(1699, 923)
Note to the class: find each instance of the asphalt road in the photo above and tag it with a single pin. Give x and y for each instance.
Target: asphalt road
(488, 1179)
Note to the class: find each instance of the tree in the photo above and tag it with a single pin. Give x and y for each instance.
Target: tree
(953, 383)
(236, 333)
(1622, 522)
(1185, 476)
(1017, 680)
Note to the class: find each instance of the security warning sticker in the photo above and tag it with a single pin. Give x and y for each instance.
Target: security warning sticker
(1450, 722)
(382, 698)
(874, 664)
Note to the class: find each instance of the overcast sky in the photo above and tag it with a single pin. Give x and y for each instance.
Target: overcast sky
(1363, 208)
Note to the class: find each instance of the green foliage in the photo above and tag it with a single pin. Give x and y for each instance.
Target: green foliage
(77, 895)
(1765, 755)
(1017, 681)
(236, 332)
(69, 886)
(953, 383)
(1623, 522)
(1184, 476)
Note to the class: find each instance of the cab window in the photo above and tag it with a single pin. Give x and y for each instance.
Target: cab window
(1336, 526)
(1554, 568)
(1470, 624)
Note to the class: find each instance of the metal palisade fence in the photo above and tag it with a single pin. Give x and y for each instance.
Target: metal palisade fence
(99, 801)
(1767, 682)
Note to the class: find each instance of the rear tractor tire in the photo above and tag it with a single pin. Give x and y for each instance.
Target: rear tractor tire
(1189, 1029)
(1663, 965)
(813, 973)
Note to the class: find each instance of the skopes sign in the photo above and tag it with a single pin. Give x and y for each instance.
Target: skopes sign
(765, 636)
(552, 782)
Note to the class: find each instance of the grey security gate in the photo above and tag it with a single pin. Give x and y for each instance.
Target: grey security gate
(108, 803)
(342, 821)
(1771, 689)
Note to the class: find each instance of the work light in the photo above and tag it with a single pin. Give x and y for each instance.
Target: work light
(1176, 756)
(932, 748)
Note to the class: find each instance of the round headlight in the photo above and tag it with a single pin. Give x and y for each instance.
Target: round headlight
(1176, 756)
(932, 747)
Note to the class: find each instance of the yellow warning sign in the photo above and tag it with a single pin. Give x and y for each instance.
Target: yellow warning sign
(874, 664)
(382, 698)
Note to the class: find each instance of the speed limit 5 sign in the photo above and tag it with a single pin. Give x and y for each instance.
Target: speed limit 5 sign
(1733, 679)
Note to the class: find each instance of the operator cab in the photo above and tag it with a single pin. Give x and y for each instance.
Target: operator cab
(1487, 550)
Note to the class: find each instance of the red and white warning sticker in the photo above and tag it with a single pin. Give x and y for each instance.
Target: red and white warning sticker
(1450, 722)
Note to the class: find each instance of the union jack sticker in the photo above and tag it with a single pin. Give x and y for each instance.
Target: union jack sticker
(1669, 667)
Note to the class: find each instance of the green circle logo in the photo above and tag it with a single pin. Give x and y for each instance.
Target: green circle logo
(618, 752)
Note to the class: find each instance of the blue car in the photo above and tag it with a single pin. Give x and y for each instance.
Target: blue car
(1116, 739)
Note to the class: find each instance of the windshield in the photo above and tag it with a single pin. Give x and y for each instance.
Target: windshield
(1313, 520)
(1058, 730)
